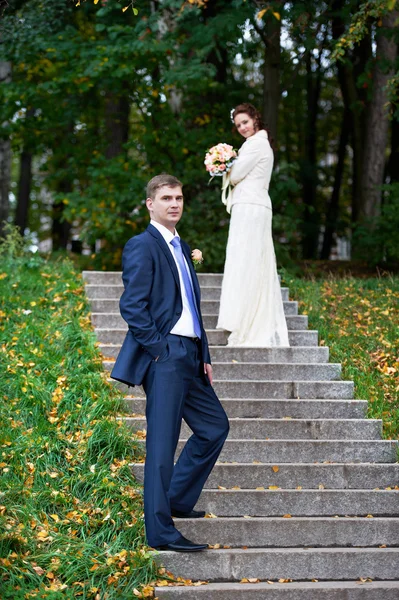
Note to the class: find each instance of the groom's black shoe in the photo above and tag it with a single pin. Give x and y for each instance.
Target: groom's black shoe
(182, 544)
(193, 514)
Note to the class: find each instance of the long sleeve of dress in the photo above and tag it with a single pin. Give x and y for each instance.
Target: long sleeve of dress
(249, 155)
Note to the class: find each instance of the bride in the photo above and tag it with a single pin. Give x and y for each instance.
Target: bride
(251, 307)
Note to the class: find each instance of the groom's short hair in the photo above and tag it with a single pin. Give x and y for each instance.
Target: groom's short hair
(159, 181)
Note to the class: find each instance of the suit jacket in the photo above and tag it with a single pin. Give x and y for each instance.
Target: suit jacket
(251, 171)
(151, 303)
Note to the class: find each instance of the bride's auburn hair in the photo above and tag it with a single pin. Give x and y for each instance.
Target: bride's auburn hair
(249, 109)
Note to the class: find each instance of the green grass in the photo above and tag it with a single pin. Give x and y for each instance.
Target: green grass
(359, 320)
(70, 510)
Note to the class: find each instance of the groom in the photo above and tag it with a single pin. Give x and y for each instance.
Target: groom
(166, 351)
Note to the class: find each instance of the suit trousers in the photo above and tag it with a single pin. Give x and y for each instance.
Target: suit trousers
(176, 389)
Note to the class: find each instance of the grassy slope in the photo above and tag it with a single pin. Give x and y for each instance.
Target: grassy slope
(359, 320)
(70, 510)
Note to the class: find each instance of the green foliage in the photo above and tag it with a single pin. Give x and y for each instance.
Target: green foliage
(288, 209)
(377, 240)
(106, 99)
(70, 510)
(366, 14)
(358, 320)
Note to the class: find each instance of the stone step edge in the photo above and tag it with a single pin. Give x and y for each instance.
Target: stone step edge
(124, 330)
(274, 364)
(302, 348)
(275, 586)
(300, 465)
(243, 400)
(301, 491)
(307, 551)
(282, 381)
(349, 518)
(295, 441)
(275, 420)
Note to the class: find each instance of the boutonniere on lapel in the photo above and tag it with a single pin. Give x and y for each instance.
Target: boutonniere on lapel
(197, 258)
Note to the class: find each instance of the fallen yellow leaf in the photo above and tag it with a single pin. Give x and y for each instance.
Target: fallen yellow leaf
(37, 570)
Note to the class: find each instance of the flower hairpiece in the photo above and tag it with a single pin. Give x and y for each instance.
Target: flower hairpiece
(231, 115)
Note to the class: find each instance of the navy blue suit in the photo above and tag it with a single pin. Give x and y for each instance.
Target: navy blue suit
(175, 384)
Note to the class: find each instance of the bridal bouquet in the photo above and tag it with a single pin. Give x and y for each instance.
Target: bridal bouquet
(218, 161)
(219, 158)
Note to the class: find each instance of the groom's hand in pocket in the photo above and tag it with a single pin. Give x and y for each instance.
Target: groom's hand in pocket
(209, 371)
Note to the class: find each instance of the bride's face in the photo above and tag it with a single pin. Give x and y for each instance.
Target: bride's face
(246, 126)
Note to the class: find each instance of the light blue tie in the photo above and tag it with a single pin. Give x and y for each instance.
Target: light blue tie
(187, 284)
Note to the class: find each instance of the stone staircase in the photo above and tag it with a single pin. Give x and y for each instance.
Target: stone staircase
(305, 491)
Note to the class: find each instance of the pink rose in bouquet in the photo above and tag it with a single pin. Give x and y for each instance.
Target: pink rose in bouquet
(219, 159)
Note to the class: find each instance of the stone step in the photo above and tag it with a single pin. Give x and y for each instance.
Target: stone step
(293, 590)
(284, 563)
(279, 409)
(215, 337)
(298, 503)
(294, 429)
(295, 354)
(208, 307)
(294, 321)
(268, 371)
(115, 321)
(114, 292)
(280, 532)
(211, 307)
(291, 476)
(295, 337)
(305, 451)
(212, 279)
(107, 278)
(115, 278)
(339, 390)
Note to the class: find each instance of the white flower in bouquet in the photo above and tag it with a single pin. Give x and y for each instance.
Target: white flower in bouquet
(219, 159)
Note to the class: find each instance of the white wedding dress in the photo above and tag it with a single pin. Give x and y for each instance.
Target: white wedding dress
(251, 307)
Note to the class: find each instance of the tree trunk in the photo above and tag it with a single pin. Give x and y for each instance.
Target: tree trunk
(333, 206)
(5, 158)
(117, 108)
(355, 99)
(61, 228)
(24, 187)
(310, 226)
(271, 75)
(393, 164)
(377, 125)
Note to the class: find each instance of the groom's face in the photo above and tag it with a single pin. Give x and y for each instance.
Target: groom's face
(166, 207)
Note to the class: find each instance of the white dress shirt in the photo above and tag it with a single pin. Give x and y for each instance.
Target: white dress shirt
(185, 325)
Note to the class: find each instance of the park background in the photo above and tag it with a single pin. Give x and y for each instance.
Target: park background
(94, 101)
